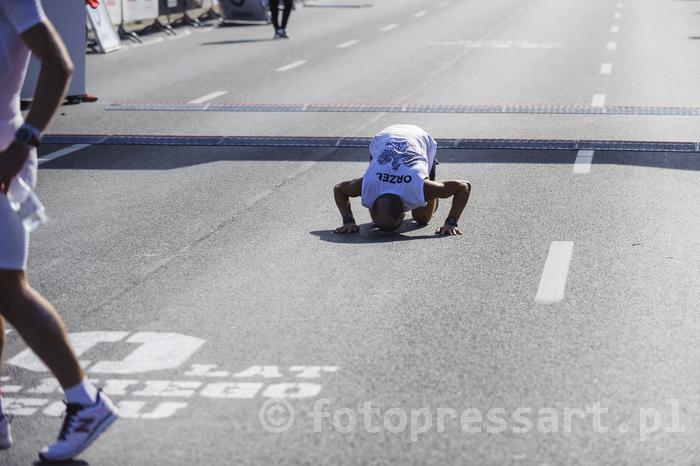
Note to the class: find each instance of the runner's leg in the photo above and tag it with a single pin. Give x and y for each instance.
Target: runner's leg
(39, 325)
(288, 5)
(275, 12)
(423, 215)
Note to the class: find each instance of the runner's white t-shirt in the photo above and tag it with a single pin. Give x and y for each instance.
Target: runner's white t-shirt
(402, 156)
(16, 16)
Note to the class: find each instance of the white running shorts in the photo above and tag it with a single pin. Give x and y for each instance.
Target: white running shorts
(14, 239)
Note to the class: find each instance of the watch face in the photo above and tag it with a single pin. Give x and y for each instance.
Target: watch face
(23, 136)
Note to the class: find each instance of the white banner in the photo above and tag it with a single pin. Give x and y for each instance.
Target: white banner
(107, 38)
(115, 10)
(140, 10)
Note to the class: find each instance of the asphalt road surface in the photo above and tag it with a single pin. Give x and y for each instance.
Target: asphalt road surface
(206, 293)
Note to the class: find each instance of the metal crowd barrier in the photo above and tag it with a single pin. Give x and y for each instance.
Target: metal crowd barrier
(160, 15)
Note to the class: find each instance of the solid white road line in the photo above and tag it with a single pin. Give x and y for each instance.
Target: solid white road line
(420, 14)
(556, 269)
(389, 27)
(291, 65)
(348, 43)
(62, 152)
(208, 97)
(606, 68)
(611, 45)
(584, 158)
(615, 29)
(598, 100)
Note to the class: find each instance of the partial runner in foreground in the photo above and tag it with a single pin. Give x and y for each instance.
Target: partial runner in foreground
(401, 177)
(25, 28)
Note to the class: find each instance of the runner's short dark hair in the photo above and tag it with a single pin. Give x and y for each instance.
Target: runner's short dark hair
(395, 210)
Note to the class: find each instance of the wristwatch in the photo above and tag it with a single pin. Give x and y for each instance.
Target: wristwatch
(348, 218)
(27, 135)
(451, 221)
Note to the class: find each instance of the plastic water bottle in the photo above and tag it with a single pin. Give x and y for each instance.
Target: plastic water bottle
(28, 207)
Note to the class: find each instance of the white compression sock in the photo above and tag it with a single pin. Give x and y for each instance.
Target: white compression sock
(83, 393)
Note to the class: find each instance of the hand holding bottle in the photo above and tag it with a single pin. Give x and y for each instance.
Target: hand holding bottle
(11, 162)
(28, 207)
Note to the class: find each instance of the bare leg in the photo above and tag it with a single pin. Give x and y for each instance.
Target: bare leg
(39, 325)
(423, 215)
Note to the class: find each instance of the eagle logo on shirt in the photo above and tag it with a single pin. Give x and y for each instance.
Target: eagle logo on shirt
(399, 153)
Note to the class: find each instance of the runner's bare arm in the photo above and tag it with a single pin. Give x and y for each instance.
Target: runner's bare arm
(459, 191)
(342, 192)
(54, 76)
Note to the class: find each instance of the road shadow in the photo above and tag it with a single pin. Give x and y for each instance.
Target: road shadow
(369, 234)
(62, 463)
(155, 157)
(241, 24)
(233, 42)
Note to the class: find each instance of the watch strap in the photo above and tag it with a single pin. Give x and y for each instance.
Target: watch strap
(34, 134)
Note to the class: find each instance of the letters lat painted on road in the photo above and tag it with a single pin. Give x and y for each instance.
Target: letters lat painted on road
(157, 398)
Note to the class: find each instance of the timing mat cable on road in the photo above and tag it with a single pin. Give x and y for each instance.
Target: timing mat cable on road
(405, 108)
(303, 141)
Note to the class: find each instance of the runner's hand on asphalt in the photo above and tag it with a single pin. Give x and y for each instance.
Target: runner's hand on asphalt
(448, 230)
(347, 228)
(11, 162)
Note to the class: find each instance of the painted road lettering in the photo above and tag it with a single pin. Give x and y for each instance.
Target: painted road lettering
(158, 398)
(156, 351)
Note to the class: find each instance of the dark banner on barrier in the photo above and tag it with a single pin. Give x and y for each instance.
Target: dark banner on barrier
(244, 10)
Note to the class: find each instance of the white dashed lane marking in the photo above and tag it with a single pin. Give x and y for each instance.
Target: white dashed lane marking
(598, 100)
(349, 43)
(62, 152)
(611, 45)
(606, 68)
(584, 158)
(389, 27)
(208, 97)
(617, 15)
(615, 29)
(556, 270)
(291, 65)
(420, 14)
